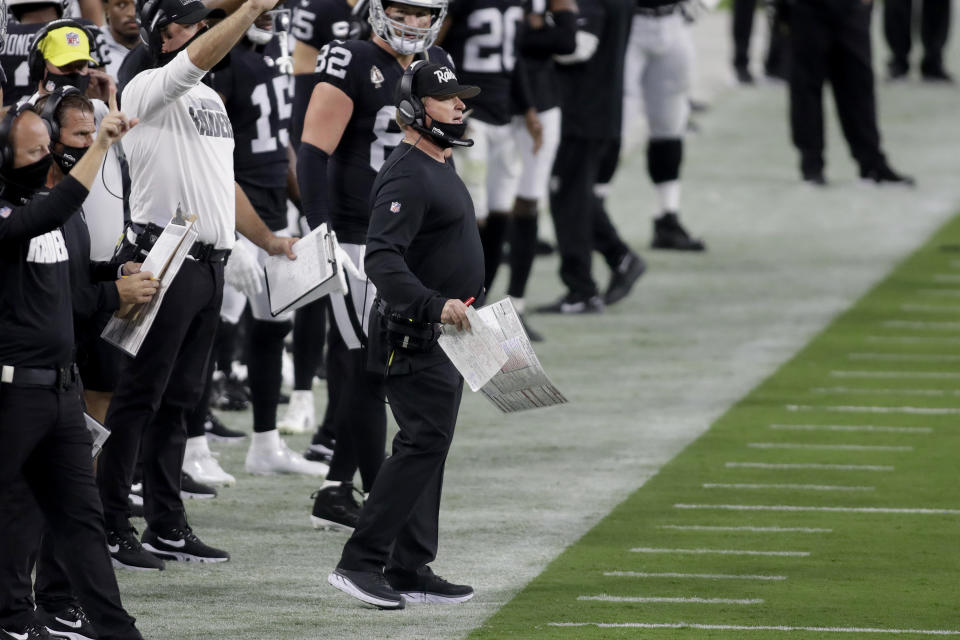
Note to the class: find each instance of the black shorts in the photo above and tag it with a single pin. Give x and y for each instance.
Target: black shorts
(99, 362)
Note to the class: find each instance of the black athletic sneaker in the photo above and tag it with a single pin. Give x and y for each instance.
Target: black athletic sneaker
(369, 586)
(181, 544)
(190, 489)
(321, 448)
(569, 305)
(668, 233)
(335, 508)
(883, 175)
(72, 623)
(127, 552)
(428, 587)
(624, 277)
(220, 432)
(33, 631)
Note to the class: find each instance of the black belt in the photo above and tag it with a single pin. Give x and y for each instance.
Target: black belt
(206, 253)
(658, 11)
(47, 378)
(148, 234)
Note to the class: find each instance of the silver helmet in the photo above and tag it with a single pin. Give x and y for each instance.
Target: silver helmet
(402, 37)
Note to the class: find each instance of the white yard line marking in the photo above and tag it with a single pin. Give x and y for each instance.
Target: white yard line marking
(701, 576)
(722, 552)
(853, 428)
(921, 325)
(810, 465)
(929, 308)
(923, 411)
(736, 627)
(932, 393)
(801, 487)
(955, 264)
(949, 293)
(826, 447)
(690, 600)
(912, 340)
(790, 507)
(946, 277)
(906, 357)
(700, 527)
(911, 375)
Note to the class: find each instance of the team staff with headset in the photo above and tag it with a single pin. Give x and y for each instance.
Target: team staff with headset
(43, 438)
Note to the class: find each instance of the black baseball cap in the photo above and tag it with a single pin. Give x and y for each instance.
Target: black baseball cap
(189, 12)
(438, 81)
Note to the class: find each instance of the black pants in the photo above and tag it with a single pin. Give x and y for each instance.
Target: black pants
(934, 29)
(743, 11)
(156, 391)
(46, 462)
(580, 220)
(399, 522)
(830, 41)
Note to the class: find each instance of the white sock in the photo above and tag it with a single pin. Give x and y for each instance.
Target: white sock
(265, 440)
(197, 445)
(669, 193)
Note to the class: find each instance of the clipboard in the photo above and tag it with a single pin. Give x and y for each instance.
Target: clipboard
(317, 272)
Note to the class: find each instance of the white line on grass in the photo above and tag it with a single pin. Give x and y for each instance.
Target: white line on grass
(933, 393)
(949, 293)
(912, 340)
(735, 627)
(922, 411)
(921, 325)
(701, 576)
(690, 600)
(826, 447)
(790, 507)
(808, 465)
(853, 428)
(946, 277)
(930, 308)
(800, 487)
(700, 527)
(722, 552)
(912, 375)
(906, 357)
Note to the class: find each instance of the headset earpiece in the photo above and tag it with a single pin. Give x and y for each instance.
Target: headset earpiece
(35, 60)
(49, 112)
(6, 124)
(410, 111)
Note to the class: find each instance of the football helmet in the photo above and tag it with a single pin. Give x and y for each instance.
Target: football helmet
(402, 37)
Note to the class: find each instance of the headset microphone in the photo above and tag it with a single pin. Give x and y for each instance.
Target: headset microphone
(439, 135)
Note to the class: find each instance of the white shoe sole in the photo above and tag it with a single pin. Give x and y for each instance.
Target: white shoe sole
(345, 585)
(179, 556)
(433, 598)
(320, 523)
(67, 635)
(215, 438)
(196, 496)
(127, 567)
(287, 428)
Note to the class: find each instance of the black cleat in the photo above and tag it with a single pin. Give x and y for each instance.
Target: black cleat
(230, 394)
(532, 334)
(335, 508)
(570, 305)
(668, 233)
(623, 278)
(897, 71)
(427, 587)
(884, 175)
(321, 448)
(190, 489)
(220, 432)
(127, 552)
(815, 178)
(369, 586)
(743, 75)
(33, 631)
(71, 624)
(936, 75)
(181, 544)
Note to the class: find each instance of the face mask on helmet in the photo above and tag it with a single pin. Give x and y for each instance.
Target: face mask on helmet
(256, 35)
(403, 38)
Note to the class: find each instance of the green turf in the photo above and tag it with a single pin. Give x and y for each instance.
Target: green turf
(870, 570)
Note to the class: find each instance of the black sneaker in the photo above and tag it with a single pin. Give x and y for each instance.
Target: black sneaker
(936, 75)
(570, 305)
(815, 178)
(190, 489)
(884, 175)
(72, 623)
(532, 334)
(127, 552)
(31, 632)
(230, 394)
(743, 75)
(321, 448)
(369, 586)
(623, 278)
(897, 70)
(668, 233)
(427, 587)
(335, 508)
(181, 544)
(220, 432)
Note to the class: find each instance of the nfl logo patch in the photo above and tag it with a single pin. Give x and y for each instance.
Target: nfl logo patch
(73, 38)
(6, 211)
(394, 207)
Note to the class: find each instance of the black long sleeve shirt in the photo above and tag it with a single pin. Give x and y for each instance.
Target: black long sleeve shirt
(92, 284)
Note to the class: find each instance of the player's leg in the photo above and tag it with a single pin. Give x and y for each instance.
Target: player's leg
(809, 43)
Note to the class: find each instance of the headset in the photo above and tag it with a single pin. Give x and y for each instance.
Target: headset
(35, 60)
(49, 111)
(6, 124)
(151, 13)
(411, 112)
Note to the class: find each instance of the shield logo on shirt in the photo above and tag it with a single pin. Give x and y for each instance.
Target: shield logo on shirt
(394, 207)
(6, 211)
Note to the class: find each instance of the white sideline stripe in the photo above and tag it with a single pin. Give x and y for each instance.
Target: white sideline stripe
(808, 465)
(919, 375)
(703, 576)
(939, 292)
(924, 411)
(802, 487)
(693, 599)
(935, 308)
(843, 427)
(955, 264)
(790, 507)
(696, 527)
(722, 552)
(826, 447)
(920, 324)
(933, 393)
(906, 357)
(946, 277)
(912, 340)
(737, 627)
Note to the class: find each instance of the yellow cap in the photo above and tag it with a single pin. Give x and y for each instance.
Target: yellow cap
(62, 46)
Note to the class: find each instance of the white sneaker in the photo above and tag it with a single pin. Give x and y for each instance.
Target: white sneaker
(269, 454)
(199, 464)
(299, 417)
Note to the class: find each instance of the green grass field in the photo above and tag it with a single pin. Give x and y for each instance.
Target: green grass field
(825, 499)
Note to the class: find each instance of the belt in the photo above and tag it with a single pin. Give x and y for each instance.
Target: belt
(206, 253)
(148, 234)
(48, 378)
(658, 11)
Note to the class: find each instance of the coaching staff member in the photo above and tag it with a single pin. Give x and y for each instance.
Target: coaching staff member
(425, 257)
(43, 438)
(181, 157)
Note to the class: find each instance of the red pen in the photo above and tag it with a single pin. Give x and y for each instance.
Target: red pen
(469, 301)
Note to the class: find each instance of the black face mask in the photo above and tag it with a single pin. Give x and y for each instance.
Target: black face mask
(25, 181)
(69, 157)
(164, 58)
(451, 134)
(54, 81)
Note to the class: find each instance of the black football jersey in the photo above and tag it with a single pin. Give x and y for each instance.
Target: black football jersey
(317, 22)
(258, 98)
(482, 41)
(13, 59)
(368, 75)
